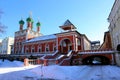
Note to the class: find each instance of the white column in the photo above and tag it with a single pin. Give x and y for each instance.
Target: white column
(113, 61)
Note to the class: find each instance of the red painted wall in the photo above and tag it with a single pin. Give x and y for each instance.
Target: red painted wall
(42, 45)
(18, 43)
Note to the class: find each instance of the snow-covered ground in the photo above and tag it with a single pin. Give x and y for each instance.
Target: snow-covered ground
(17, 71)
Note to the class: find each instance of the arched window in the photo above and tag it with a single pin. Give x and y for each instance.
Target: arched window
(118, 47)
(64, 43)
(33, 49)
(39, 49)
(47, 48)
(78, 42)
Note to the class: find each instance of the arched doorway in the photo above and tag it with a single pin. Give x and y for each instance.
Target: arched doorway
(65, 46)
(96, 60)
(118, 47)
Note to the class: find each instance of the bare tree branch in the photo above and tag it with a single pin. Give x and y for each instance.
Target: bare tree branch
(2, 27)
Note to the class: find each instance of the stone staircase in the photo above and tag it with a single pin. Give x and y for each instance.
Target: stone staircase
(55, 58)
(59, 58)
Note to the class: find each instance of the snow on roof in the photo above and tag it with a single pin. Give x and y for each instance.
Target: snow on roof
(40, 38)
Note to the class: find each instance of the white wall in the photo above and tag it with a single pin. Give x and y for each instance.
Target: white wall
(6, 45)
(114, 28)
(87, 44)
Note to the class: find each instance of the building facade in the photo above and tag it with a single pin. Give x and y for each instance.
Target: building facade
(107, 43)
(0, 46)
(68, 47)
(6, 45)
(114, 28)
(28, 41)
(25, 34)
(95, 45)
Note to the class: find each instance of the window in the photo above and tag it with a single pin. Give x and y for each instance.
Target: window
(64, 44)
(26, 49)
(39, 49)
(33, 49)
(47, 48)
(16, 49)
(78, 41)
(17, 43)
(20, 51)
(54, 48)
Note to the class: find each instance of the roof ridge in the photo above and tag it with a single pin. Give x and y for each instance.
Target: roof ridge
(67, 22)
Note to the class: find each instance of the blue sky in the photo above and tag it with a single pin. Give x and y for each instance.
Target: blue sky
(89, 16)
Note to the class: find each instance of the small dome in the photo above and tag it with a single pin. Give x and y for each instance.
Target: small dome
(21, 22)
(38, 24)
(29, 19)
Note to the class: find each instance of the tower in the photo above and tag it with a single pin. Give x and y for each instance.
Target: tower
(25, 34)
(29, 23)
(38, 26)
(21, 22)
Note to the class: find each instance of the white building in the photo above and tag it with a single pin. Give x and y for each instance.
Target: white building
(6, 45)
(114, 27)
(0, 46)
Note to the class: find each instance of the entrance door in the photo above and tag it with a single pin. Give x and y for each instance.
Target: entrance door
(66, 46)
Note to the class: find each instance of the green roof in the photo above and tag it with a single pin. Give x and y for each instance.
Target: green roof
(21, 22)
(38, 24)
(29, 19)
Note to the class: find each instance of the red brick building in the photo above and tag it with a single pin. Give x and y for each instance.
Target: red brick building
(25, 34)
(107, 44)
(68, 47)
(30, 41)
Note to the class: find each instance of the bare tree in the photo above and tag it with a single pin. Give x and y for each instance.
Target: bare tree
(2, 27)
